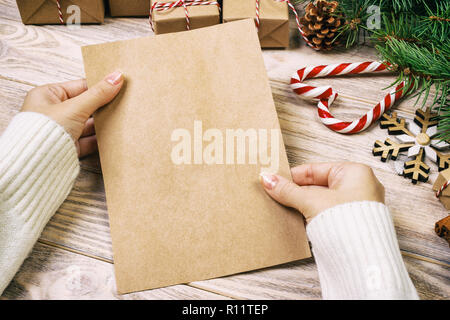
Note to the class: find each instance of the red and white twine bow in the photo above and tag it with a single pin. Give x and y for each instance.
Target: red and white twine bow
(164, 6)
(297, 20)
(326, 95)
(442, 188)
(60, 14)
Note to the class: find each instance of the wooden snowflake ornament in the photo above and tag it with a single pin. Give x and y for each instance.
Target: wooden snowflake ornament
(417, 139)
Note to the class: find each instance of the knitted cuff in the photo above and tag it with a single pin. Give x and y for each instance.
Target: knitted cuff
(38, 166)
(357, 253)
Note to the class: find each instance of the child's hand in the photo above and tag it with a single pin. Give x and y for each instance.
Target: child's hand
(71, 104)
(321, 186)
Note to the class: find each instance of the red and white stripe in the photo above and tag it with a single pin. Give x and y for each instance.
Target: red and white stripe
(297, 20)
(326, 95)
(60, 14)
(441, 189)
(164, 6)
(257, 15)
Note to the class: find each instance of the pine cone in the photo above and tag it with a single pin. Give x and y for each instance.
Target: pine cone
(320, 23)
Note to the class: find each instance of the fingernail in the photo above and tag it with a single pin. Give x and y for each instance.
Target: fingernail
(114, 78)
(269, 181)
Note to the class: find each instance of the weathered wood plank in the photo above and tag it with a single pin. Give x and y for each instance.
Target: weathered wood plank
(299, 280)
(31, 55)
(45, 54)
(12, 94)
(432, 281)
(52, 273)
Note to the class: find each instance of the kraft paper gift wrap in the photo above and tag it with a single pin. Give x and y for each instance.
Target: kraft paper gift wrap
(174, 222)
(442, 178)
(46, 11)
(127, 8)
(174, 20)
(274, 19)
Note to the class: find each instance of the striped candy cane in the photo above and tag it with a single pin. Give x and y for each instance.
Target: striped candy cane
(297, 20)
(164, 6)
(441, 189)
(61, 19)
(326, 95)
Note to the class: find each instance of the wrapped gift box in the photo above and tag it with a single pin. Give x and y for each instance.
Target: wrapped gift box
(174, 19)
(274, 19)
(444, 197)
(127, 8)
(46, 11)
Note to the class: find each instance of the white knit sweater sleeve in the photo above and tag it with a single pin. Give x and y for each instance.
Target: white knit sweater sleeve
(38, 166)
(357, 253)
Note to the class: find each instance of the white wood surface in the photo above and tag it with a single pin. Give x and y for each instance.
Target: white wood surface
(73, 258)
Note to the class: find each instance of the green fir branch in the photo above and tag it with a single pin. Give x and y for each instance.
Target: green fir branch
(356, 16)
(436, 23)
(444, 121)
(428, 69)
(399, 27)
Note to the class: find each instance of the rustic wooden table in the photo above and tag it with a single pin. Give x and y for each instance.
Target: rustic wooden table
(73, 257)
